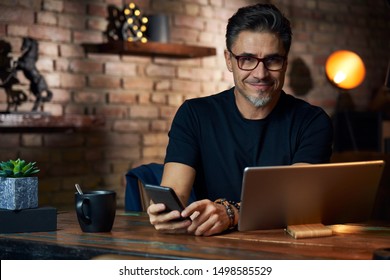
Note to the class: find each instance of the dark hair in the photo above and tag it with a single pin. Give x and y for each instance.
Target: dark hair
(259, 17)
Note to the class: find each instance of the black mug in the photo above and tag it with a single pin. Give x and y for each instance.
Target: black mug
(96, 210)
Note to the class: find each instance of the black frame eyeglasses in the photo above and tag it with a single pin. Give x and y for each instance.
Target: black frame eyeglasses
(249, 63)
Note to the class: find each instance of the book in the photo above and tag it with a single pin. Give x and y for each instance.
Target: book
(308, 230)
(28, 220)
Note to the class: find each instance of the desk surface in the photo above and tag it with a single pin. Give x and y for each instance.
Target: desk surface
(132, 237)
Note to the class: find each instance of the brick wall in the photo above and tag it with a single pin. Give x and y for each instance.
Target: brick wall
(138, 96)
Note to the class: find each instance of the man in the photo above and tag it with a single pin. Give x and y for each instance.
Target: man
(212, 139)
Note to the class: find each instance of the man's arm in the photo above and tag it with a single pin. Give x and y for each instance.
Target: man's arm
(180, 177)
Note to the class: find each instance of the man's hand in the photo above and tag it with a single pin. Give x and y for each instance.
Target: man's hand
(208, 218)
(167, 222)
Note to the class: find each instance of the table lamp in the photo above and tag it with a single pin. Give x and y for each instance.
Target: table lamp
(345, 70)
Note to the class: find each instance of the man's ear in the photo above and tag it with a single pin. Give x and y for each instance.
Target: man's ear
(228, 60)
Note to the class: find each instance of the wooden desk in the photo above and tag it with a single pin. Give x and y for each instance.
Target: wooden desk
(133, 237)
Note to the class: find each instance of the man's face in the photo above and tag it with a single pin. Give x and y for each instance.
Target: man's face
(259, 86)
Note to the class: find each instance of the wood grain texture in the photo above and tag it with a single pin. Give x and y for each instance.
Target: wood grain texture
(133, 237)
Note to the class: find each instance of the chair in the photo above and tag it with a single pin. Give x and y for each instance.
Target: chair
(136, 198)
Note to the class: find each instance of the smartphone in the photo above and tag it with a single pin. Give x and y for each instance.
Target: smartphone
(165, 195)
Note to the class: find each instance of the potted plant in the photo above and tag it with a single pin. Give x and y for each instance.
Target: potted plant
(18, 185)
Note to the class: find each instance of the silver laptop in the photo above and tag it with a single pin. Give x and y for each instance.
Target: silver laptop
(277, 196)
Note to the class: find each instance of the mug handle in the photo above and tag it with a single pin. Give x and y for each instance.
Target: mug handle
(80, 210)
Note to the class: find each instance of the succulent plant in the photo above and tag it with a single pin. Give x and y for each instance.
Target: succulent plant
(17, 168)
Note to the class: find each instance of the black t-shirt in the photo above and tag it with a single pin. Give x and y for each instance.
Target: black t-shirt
(210, 134)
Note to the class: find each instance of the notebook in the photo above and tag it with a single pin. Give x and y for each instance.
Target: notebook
(278, 196)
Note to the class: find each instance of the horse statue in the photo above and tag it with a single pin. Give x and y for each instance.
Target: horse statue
(26, 63)
(8, 79)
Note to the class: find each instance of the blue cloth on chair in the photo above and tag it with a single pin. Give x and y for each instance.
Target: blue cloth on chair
(148, 174)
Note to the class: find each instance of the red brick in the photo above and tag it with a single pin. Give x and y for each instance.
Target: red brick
(120, 68)
(66, 169)
(138, 83)
(71, 51)
(53, 109)
(186, 86)
(52, 79)
(160, 71)
(163, 85)
(116, 139)
(96, 9)
(167, 112)
(63, 140)
(93, 154)
(122, 98)
(145, 112)
(49, 33)
(61, 64)
(71, 21)
(154, 151)
(80, 37)
(160, 125)
(2, 30)
(187, 35)
(121, 153)
(155, 139)
(48, 48)
(53, 5)
(16, 15)
(144, 98)
(9, 140)
(192, 9)
(17, 30)
(189, 21)
(86, 66)
(72, 81)
(97, 24)
(48, 18)
(89, 97)
(45, 64)
(113, 111)
(75, 7)
(60, 95)
(103, 81)
(131, 126)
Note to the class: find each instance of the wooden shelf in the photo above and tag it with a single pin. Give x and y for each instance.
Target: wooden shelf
(150, 49)
(36, 122)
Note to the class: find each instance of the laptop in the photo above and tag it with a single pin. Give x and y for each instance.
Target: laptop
(334, 193)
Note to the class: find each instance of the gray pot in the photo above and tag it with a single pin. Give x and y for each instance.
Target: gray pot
(18, 193)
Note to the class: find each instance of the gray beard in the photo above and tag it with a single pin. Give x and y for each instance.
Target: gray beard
(258, 101)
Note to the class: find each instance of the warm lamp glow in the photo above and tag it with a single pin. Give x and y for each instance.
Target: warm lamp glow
(345, 69)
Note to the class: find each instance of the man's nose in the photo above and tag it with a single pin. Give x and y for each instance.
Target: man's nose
(260, 71)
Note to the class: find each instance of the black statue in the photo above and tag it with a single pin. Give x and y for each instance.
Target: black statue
(8, 79)
(26, 63)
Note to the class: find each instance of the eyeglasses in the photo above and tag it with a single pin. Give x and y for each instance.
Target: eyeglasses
(249, 63)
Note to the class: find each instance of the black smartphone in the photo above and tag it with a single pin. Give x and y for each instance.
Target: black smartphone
(165, 195)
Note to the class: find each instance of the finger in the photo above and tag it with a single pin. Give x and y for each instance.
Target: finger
(211, 222)
(154, 209)
(195, 206)
(163, 217)
(173, 227)
(215, 229)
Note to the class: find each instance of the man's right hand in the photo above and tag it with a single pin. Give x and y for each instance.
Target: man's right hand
(167, 222)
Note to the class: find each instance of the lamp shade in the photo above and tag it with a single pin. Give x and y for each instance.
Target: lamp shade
(345, 69)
